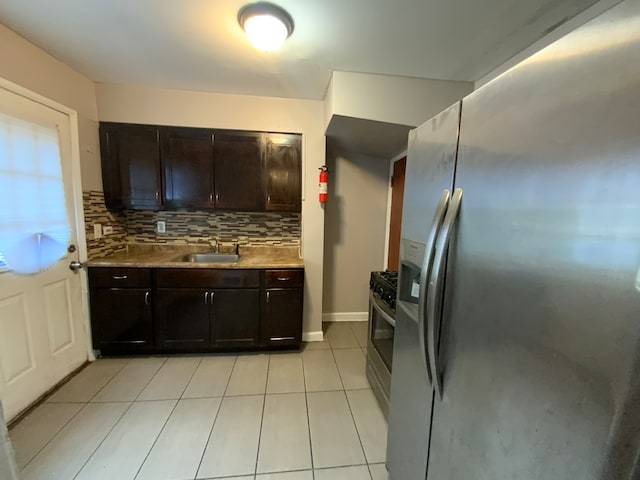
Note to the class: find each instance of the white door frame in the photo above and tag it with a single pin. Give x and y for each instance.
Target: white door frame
(78, 205)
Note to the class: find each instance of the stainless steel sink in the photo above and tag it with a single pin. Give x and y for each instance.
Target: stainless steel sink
(208, 258)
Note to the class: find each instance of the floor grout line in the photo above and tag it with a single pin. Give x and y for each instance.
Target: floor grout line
(103, 439)
(55, 435)
(235, 359)
(206, 444)
(264, 403)
(109, 381)
(151, 379)
(226, 387)
(193, 374)
(338, 369)
(164, 425)
(355, 424)
(306, 401)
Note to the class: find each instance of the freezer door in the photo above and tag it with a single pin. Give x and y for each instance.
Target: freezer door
(430, 171)
(540, 346)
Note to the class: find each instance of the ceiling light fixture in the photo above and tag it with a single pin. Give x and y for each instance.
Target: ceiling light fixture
(267, 25)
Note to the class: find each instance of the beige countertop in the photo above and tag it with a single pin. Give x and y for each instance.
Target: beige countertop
(163, 256)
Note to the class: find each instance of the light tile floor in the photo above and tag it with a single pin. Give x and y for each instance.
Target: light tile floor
(266, 416)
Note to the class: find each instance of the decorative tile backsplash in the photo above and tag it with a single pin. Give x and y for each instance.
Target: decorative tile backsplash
(186, 227)
(95, 211)
(195, 226)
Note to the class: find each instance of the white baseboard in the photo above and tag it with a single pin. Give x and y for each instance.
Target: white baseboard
(346, 317)
(312, 336)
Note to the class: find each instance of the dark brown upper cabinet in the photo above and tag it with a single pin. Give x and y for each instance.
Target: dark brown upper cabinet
(283, 173)
(131, 166)
(189, 174)
(237, 158)
(155, 167)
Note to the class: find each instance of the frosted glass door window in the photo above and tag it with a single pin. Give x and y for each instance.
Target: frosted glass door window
(34, 222)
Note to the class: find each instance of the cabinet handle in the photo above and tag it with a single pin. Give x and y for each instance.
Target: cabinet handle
(268, 296)
(157, 196)
(146, 297)
(206, 298)
(277, 339)
(211, 199)
(284, 279)
(119, 277)
(217, 197)
(269, 199)
(212, 297)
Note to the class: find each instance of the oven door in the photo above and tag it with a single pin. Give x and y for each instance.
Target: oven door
(381, 329)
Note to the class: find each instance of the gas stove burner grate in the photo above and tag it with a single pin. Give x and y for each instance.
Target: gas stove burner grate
(390, 276)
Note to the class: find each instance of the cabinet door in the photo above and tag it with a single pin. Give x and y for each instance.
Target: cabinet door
(121, 320)
(283, 317)
(238, 171)
(131, 168)
(182, 318)
(188, 159)
(235, 318)
(283, 171)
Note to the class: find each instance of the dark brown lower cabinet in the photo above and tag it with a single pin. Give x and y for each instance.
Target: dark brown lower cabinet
(121, 319)
(235, 318)
(283, 317)
(196, 319)
(121, 310)
(194, 310)
(182, 319)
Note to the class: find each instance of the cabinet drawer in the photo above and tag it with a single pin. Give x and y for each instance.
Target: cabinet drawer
(205, 278)
(115, 277)
(284, 278)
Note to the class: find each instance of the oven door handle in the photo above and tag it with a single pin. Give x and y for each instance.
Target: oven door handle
(387, 318)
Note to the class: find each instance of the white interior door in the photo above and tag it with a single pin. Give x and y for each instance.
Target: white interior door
(42, 325)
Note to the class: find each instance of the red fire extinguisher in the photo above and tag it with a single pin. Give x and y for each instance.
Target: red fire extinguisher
(324, 176)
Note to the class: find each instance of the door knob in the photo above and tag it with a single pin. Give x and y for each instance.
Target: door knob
(75, 266)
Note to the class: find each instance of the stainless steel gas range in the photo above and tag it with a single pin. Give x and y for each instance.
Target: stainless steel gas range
(382, 312)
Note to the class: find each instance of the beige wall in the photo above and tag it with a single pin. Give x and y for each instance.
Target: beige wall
(390, 99)
(354, 231)
(26, 65)
(120, 103)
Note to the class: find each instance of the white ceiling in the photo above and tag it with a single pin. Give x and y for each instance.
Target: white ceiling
(198, 44)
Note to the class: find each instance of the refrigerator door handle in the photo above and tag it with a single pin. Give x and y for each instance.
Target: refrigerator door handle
(436, 288)
(438, 217)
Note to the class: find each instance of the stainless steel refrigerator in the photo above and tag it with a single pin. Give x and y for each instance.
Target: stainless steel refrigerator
(517, 342)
